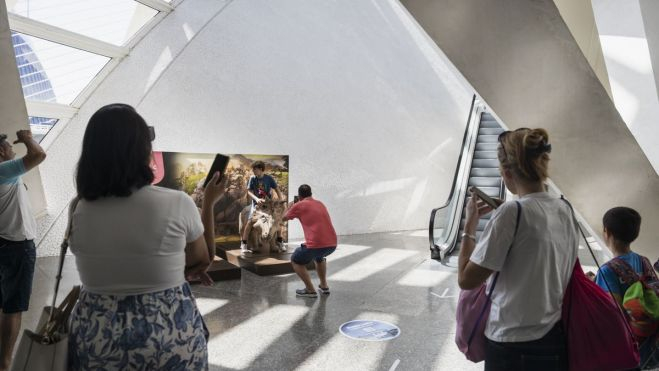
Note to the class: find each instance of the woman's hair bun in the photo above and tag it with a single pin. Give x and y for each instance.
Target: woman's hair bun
(536, 142)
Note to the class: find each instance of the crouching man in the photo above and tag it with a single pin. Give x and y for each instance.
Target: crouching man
(320, 240)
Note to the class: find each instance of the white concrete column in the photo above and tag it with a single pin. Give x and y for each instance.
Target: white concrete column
(627, 53)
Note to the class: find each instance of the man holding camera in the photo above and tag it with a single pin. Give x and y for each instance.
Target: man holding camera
(17, 232)
(320, 240)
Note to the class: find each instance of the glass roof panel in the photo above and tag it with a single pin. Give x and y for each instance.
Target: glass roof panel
(53, 72)
(112, 21)
(40, 126)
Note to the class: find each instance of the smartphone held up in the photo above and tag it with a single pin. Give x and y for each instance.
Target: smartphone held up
(219, 165)
(487, 199)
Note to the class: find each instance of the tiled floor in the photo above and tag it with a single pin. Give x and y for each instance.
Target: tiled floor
(257, 323)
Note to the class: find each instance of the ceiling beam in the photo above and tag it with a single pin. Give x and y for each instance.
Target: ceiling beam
(50, 110)
(158, 5)
(61, 36)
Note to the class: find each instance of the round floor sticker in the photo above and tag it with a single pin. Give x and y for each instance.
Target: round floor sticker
(369, 330)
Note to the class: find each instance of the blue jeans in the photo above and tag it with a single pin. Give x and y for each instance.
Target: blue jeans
(303, 255)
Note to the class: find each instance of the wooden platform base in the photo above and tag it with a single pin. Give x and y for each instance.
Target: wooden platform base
(263, 265)
(222, 270)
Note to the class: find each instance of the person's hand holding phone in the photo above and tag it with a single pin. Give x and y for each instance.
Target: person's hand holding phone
(493, 203)
(472, 214)
(477, 207)
(214, 189)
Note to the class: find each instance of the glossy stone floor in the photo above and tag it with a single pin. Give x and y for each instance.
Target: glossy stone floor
(257, 323)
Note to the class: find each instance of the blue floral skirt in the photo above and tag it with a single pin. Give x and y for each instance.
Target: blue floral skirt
(157, 331)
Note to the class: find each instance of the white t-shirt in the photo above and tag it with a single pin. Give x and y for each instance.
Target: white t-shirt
(134, 245)
(527, 299)
(16, 219)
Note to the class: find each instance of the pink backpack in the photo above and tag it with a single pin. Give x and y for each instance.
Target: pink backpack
(597, 333)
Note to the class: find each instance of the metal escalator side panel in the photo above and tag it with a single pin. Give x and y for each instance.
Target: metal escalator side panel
(441, 227)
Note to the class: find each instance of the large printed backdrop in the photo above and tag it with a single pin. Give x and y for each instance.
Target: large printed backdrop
(186, 172)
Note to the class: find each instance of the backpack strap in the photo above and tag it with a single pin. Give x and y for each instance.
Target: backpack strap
(648, 270)
(624, 271)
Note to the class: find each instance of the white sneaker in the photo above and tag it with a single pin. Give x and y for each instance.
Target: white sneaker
(244, 249)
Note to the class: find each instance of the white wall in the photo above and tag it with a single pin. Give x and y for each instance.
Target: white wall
(650, 12)
(370, 112)
(629, 64)
(579, 18)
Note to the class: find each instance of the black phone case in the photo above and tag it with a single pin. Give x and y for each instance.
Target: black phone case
(219, 164)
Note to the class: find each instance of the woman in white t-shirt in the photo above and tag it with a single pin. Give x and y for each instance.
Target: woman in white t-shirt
(134, 246)
(524, 328)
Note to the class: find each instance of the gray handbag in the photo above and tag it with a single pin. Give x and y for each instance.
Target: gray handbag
(46, 349)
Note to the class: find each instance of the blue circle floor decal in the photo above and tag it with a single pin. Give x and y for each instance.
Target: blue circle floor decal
(369, 330)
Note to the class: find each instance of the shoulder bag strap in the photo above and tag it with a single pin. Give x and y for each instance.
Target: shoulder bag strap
(63, 248)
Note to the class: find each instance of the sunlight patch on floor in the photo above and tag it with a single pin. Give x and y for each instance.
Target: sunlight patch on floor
(208, 305)
(374, 263)
(251, 338)
(424, 277)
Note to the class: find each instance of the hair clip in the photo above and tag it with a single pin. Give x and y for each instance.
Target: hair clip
(542, 148)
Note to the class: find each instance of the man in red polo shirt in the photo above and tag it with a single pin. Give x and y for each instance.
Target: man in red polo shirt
(320, 240)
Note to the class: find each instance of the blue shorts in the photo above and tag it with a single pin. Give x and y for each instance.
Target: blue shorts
(303, 255)
(16, 271)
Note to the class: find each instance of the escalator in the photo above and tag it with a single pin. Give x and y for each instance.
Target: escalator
(484, 172)
(477, 166)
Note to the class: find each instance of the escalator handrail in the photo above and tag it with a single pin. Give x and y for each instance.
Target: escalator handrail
(433, 212)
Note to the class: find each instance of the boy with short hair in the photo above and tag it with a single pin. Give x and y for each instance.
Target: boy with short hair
(621, 227)
(259, 188)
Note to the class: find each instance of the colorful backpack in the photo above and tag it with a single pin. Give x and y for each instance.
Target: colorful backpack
(641, 299)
